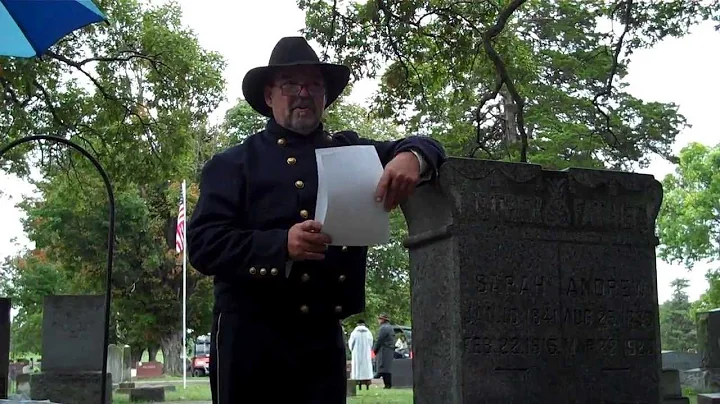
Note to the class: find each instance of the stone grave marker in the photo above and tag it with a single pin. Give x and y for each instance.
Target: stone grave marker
(4, 346)
(706, 377)
(534, 286)
(72, 349)
(114, 363)
(126, 364)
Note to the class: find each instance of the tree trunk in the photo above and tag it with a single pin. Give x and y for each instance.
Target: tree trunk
(511, 129)
(172, 350)
(152, 353)
(135, 356)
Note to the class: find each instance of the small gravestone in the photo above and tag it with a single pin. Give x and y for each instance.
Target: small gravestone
(534, 286)
(22, 384)
(114, 363)
(670, 388)
(4, 345)
(146, 370)
(147, 394)
(126, 365)
(72, 348)
(706, 377)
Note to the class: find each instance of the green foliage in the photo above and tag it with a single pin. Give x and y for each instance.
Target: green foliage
(26, 280)
(242, 121)
(677, 325)
(136, 93)
(689, 221)
(438, 75)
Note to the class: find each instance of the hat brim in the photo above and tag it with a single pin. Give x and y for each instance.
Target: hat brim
(253, 86)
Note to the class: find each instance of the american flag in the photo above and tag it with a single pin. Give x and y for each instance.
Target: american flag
(180, 228)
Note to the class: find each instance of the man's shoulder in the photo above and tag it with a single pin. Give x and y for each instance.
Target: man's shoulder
(346, 136)
(237, 152)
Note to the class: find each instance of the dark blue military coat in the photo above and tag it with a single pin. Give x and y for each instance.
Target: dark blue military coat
(250, 195)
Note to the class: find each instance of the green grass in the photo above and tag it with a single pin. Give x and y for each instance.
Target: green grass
(380, 396)
(201, 392)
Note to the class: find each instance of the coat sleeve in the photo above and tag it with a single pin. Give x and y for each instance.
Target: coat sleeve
(429, 148)
(351, 341)
(382, 336)
(217, 242)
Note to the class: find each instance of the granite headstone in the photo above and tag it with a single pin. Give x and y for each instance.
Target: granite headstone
(72, 324)
(707, 376)
(708, 329)
(534, 286)
(4, 345)
(126, 364)
(114, 363)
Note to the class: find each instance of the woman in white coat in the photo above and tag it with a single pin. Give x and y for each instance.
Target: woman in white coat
(360, 343)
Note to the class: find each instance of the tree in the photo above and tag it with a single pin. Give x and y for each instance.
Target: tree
(677, 327)
(137, 94)
(689, 220)
(26, 280)
(538, 81)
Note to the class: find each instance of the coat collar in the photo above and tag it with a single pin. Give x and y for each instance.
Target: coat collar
(285, 137)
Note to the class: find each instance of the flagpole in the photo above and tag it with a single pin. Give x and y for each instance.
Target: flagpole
(184, 202)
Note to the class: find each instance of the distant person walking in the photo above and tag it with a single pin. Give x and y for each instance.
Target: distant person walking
(360, 343)
(384, 349)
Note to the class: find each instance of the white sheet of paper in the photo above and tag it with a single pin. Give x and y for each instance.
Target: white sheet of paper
(347, 179)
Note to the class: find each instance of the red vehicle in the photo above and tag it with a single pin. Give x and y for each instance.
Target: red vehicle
(200, 362)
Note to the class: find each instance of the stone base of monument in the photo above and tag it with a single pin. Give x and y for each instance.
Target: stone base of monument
(69, 388)
(147, 394)
(708, 398)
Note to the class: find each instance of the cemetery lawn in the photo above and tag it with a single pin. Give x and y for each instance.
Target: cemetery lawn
(201, 393)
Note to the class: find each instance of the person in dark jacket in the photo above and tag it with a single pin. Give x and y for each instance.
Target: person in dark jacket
(384, 350)
(280, 289)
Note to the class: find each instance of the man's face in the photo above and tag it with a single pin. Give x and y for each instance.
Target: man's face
(297, 98)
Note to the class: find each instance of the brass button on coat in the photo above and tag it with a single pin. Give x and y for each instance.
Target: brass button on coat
(274, 271)
(299, 184)
(263, 271)
(338, 309)
(304, 214)
(341, 278)
(304, 309)
(305, 277)
(281, 141)
(253, 271)
(291, 160)
(344, 248)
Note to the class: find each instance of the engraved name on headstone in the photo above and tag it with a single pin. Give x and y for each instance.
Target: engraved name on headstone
(534, 286)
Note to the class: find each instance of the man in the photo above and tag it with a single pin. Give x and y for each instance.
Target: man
(360, 343)
(384, 349)
(280, 289)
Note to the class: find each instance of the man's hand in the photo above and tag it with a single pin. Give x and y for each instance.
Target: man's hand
(306, 242)
(399, 180)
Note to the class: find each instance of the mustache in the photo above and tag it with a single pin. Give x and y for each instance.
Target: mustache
(304, 104)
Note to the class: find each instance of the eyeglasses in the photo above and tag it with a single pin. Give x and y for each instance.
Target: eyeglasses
(293, 89)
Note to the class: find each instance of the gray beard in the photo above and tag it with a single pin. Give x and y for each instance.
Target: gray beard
(302, 126)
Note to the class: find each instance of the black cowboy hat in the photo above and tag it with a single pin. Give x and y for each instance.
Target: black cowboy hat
(292, 51)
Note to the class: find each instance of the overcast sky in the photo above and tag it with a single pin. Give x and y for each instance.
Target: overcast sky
(683, 71)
